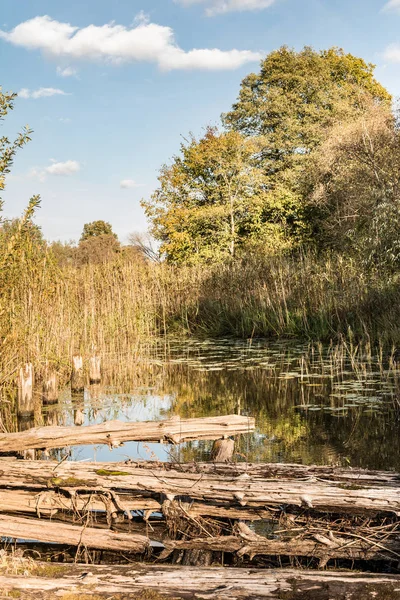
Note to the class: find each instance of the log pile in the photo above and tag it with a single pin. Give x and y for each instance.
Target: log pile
(316, 512)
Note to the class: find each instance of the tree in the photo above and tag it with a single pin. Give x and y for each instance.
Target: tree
(96, 228)
(212, 200)
(355, 188)
(296, 97)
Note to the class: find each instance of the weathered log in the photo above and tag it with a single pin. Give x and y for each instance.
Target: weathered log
(25, 391)
(50, 502)
(77, 377)
(189, 582)
(64, 533)
(113, 433)
(240, 490)
(322, 545)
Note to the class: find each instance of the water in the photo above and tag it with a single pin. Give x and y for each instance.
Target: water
(312, 406)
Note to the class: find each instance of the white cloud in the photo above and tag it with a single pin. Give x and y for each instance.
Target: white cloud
(127, 184)
(67, 168)
(145, 42)
(215, 7)
(41, 93)
(66, 72)
(392, 53)
(392, 5)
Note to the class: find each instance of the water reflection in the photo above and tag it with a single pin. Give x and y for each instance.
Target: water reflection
(312, 404)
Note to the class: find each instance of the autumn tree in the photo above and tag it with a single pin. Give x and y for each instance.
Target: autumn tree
(244, 187)
(213, 201)
(355, 188)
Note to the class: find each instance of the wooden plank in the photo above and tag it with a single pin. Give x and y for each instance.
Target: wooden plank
(113, 433)
(64, 533)
(199, 583)
(237, 490)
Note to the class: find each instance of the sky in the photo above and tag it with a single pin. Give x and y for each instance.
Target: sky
(111, 88)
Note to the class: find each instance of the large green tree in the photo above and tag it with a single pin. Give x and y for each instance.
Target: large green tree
(297, 97)
(212, 200)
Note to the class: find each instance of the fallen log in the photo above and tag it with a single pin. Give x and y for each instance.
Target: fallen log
(114, 433)
(320, 546)
(64, 533)
(237, 490)
(189, 582)
(49, 503)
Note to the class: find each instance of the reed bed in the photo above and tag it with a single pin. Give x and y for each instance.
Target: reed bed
(121, 307)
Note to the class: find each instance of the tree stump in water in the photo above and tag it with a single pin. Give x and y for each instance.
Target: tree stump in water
(77, 378)
(25, 391)
(50, 387)
(95, 369)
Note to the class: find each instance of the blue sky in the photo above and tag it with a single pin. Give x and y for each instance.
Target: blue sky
(110, 88)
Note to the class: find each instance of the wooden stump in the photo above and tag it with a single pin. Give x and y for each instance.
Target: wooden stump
(25, 390)
(50, 387)
(77, 378)
(95, 369)
(79, 417)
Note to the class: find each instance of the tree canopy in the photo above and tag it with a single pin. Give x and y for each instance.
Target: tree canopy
(213, 200)
(95, 229)
(247, 186)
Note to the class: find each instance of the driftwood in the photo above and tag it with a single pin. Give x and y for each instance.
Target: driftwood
(353, 492)
(64, 533)
(113, 433)
(196, 583)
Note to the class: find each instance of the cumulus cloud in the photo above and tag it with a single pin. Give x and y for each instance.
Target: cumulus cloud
(66, 72)
(392, 53)
(67, 168)
(127, 184)
(215, 7)
(145, 42)
(41, 93)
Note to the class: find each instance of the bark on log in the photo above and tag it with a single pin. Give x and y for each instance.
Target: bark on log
(64, 533)
(200, 583)
(113, 433)
(353, 493)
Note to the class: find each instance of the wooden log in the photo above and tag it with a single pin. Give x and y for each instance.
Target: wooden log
(320, 545)
(247, 491)
(95, 369)
(77, 377)
(129, 581)
(25, 390)
(49, 502)
(50, 387)
(113, 433)
(64, 533)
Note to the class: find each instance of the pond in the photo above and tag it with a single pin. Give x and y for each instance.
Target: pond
(312, 404)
